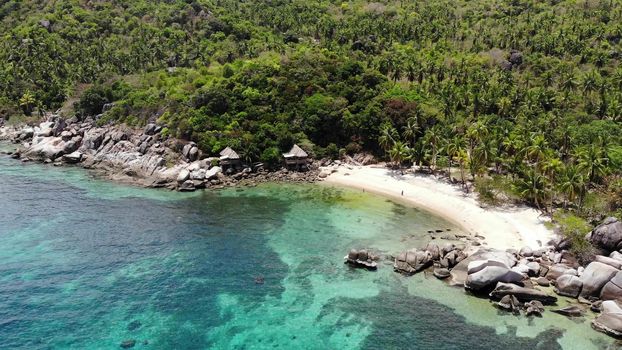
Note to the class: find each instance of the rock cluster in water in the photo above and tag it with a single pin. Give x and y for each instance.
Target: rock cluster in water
(362, 258)
(443, 258)
(517, 281)
(143, 157)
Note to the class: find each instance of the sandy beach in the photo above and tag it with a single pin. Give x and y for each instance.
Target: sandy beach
(502, 228)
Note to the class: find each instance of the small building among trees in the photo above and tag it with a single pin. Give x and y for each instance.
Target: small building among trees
(229, 159)
(296, 158)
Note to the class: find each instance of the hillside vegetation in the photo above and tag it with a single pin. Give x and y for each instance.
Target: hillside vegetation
(523, 96)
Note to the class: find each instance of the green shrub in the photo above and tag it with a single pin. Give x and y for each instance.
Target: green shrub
(332, 151)
(353, 148)
(495, 190)
(94, 98)
(485, 191)
(574, 229)
(271, 157)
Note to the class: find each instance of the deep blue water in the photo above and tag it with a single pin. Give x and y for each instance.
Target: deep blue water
(86, 264)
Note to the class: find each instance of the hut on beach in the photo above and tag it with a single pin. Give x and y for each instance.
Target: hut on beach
(296, 158)
(229, 159)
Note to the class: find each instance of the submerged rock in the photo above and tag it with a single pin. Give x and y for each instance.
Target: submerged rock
(134, 325)
(534, 308)
(570, 311)
(441, 273)
(509, 303)
(127, 344)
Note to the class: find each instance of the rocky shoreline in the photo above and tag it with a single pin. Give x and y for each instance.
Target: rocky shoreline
(142, 157)
(521, 281)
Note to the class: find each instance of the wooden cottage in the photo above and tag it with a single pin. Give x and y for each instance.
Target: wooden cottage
(229, 159)
(296, 158)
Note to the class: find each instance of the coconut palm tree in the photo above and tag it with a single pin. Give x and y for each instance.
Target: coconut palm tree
(411, 130)
(387, 138)
(551, 168)
(433, 138)
(503, 105)
(399, 153)
(536, 150)
(533, 187)
(568, 83)
(590, 82)
(451, 149)
(462, 157)
(27, 102)
(593, 160)
(573, 184)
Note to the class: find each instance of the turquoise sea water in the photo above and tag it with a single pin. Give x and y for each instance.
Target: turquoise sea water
(87, 264)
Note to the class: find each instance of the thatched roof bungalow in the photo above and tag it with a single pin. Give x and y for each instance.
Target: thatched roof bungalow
(229, 158)
(296, 157)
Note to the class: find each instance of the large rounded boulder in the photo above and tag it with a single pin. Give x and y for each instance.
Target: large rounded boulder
(412, 261)
(607, 235)
(609, 261)
(435, 250)
(610, 320)
(613, 289)
(594, 278)
(557, 270)
(568, 285)
(460, 272)
(489, 276)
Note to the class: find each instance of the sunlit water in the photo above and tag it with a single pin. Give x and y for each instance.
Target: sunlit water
(87, 264)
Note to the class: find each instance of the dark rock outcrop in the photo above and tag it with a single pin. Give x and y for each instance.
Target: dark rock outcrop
(521, 293)
(361, 258)
(127, 344)
(509, 303)
(412, 261)
(570, 311)
(441, 273)
(607, 235)
(534, 308)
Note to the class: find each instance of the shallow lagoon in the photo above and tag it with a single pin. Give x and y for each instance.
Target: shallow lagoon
(86, 263)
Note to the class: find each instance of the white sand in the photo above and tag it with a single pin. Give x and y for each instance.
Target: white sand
(502, 227)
